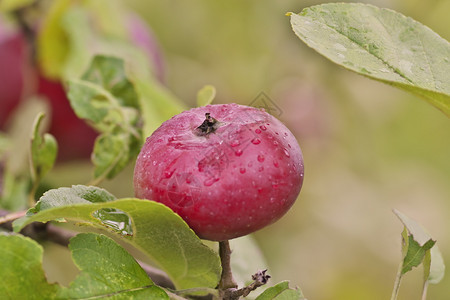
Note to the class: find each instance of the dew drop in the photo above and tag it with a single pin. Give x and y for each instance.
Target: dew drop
(289, 145)
(168, 173)
(275, 143)
(260, 158)
(238, 152)
(115, 219)
(259, 190)
(208, 182)
(286, 152)
(263, 127)
(171, 139)
(258, 131)
(256, 141)
(154, 163)
(261, 169)
(276, 164)
(235, 143)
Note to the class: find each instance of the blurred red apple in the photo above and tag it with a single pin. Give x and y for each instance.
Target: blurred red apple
(12, 48)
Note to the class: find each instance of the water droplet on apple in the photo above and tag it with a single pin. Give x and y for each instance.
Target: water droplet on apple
(235, 143)
(256, 141)
(238, 152)
(242, 170)
(258, 131)
(276, 164)
(263, 127)
(286, 152)
(260, 158)
(168, 173)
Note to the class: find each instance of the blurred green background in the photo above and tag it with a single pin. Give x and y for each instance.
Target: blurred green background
(368, 147)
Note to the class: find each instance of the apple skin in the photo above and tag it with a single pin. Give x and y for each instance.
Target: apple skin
(231, 182)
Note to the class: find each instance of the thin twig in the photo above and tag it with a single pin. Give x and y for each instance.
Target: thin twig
(398, 280)
(226, 281)
(425, 290)
(12, 216)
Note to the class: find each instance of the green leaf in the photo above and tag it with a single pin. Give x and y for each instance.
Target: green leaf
(43, 151)
(381, 44)
(418, 247)
(77, 194)
(109, 73)
(108, 101)
(281, 291)
(21, 273)
(11, 5)
(415, 253)
(108, 270)
(155, 230)
(206, 95)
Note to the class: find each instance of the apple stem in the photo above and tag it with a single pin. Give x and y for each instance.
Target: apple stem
(226, 280)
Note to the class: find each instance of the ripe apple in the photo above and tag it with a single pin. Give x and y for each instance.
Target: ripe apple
(227, 170)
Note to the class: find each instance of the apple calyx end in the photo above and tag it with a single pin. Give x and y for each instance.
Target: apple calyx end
(208, 126)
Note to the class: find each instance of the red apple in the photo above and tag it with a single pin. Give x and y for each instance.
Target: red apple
(227, 175)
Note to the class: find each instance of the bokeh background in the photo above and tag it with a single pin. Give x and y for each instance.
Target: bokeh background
(368, 147)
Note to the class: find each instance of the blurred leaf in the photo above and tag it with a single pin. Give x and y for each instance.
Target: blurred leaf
(156, 231)
(158, 104)
(107, 269)
(108, 101)
(112, 153)
(19, 133)
(21, 273)
(14, 192)
(43, 151)
(206, 95)
(52, 41)
(381, 44)
(416, 249)
(437, 268)
(281, 291)
(11, 5)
